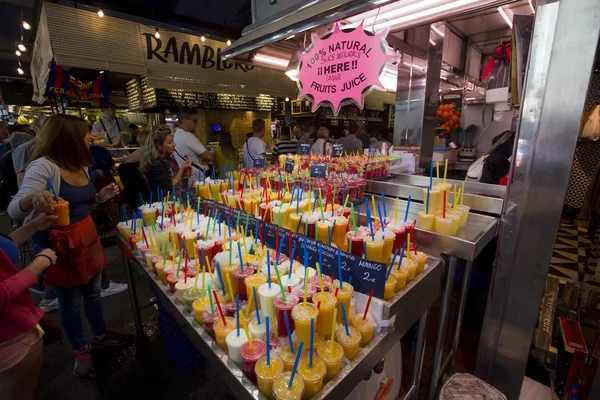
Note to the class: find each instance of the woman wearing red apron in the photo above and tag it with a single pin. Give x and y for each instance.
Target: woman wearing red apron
(61, 158)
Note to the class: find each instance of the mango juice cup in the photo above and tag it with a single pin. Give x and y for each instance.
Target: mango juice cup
(221, 331)
(445, 226)
(338, 235)
(375, 249)
(160, 270)
(331, 356)
(411, 267)
(434, 199)
(254, 280)
(344, 296)
(348, 342)
(366, 328)
(287, 357)
(302, 314)
(199, 306)
(390, 287)
(426, 221)
(465, 214)
(266, 374)
(281, 390)
(401, 278)
(389, 238)
(325, 320)
(294, 220)
(313, 377)
(61, 210)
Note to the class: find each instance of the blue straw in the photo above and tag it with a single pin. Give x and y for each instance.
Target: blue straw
(380, 219)
(151, 193)
(314, 204)
(345, 320)
(289, 331)
(268, 341)
(365, 249)
(237, 313)
(312, 342)
(431, 175)
(268, 268)
(256, 304)
(328, 235)
(427, 206)
(383, 203)
(292, 261)
(339, 254)
(240, 254)
(401, 256)
(370, 223)
(407, 207)
(220, 278)
(350, 280)
(320, 255)
(298, 227)
(279, 249)
(295, 365)
(52, 189)
(391, 265)
(142, 199)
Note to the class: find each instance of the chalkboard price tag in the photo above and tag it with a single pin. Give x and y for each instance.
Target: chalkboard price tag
(289, 165)
(304, 149)
(338, 150)
(259, 161)
(318, 170)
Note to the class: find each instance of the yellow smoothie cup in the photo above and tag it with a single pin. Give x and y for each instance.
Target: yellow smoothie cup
(221, 331)
(294, 219)
(421, 259)
(281, 390)
(160, 270)
(390, 287)
(287, 357)
(302, 314)
(266, 374)
(338, 235)
(388, 244)
(401, 278)
(313, 377)
(199, 305)
(426, 221)
(323, 232)
(325, 320)
(465, 214)
(254, 280)
(366, 328)
(411, 267)
(435, 200)
(348, 343)
(331, 356)
(149, 215)
(344, 296)
(445, 226)
(374, 249)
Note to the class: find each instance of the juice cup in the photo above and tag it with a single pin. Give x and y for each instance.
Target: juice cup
(61, 210)
(280, 307)
(348, 343)
(344, 296)
(366, 328)
(323, 232)
(251, 281)
(426, 221)
(388, 244)
(465, 214)
(251, 355)
(160, 270)
(281, 390)
(250, 206)
(149, 256)
(442, 187)
(356, 241)
(421, 259)
(266, 374)
(199, 306)
(313, 377)
(456, 217)
(390, 287)
(227, 270)
(256, 330)
(298, 291)
(181, 287)
(190, 239)
(234, 344)
(155, 260)
(189, 298)
(444, 226)
(265, 212)
(338, 235)
(332, 357)
(134, 239)
(172, 280)
(265, 293)
(325, 320)
(239, 278)
(327, 281)
(302, 314)
(411, 267)
(287, 357)
(222, 330)
(204, 191)
(435, 199)
(310, 228)
(401, 278)
(208, 320)
(294, 220)
(162, 239)
(292, 281)
(299, 272)
(375, 249)
(400, 232)
(149, 214)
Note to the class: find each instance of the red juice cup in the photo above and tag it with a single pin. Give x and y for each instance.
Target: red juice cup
(298, 291)
(208, 252)
(357, 244)
(282, 306)
(265, 212)
(400, 233)
(218, 246)
(172, 280)
(155, 260)
(251, 356)
(209, 320)
(312, 229)
(239, 281)
(314, 281)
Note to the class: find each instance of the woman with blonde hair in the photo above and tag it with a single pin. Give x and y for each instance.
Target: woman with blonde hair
(61, 158)
(157, 162)
(321, 146)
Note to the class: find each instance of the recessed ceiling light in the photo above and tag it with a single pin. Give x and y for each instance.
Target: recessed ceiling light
(18, 53)
(21, 47)
(26, 26)
(100, 13)
(228, 42)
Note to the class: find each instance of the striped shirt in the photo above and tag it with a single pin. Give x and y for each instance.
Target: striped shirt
(284, 147)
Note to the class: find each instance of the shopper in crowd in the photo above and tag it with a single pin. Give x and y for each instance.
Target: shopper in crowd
(21, 343)
(8, 179)
(255, 145)
(157, 163)
(322, 146)
(187, 144)
(362, 135)
(109, 125)
(285, 145)
(383, 141)
(22, 153)
(61, 157)
(351, 143)
(226, 155)
(297, 131)
(4, 133)
(307, 132)
(132, 179)
(134, 131)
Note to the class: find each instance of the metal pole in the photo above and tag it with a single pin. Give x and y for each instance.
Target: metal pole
(133, 300)
(461, 311)
(441, 332)
(419, 354)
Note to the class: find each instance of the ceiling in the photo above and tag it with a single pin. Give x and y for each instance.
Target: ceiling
(10, 33)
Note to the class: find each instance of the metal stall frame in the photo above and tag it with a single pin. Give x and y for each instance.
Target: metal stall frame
(564, 44)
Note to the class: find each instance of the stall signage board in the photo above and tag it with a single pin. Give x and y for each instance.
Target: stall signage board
(318, 170)
(289, 165)
(338, 150)
(343, 67)
(259, 161)
(304, 149)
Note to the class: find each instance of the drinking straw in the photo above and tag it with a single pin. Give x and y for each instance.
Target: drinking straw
(134, 221)
(365, 249)
(462, 194)
(383, 204)
(165, 252)
(212, 308)
(219, 308)
(315, 204)
(407, 207)
(295, 365)
(373, 201)
(337, 289)
(427, 204)
(444, 209)
(250, 300)
(329, 235)
(305, 286)
(445, 170)
(370, 223)
(381, 221)
(220, 277)
(279, 282)
(312, 342)
(345, 319)
(268, 268)
(437, 170)
(339, 257)
(333, 329)
(408, 246)
(185, 268)
(391, 265)
(145, 238)
(321, 202)
(248, 338)
(273, 318)
(123, 213)
(52, 189)
(229, 286)
(353, 220)
(230, 248)
(237, 313)
(289, 332)
(240, 254)
(455, 200)
(256, 304)
(203, 275)
(320, 277)
(179, 262)
(396, 212)
(173, 214)
(268, 342)
(430, 174)
(279, 249)
(345, 202)
(368, 304)
(207, 226)
(401, 256)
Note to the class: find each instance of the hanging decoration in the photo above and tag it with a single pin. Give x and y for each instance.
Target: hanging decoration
(343, 66)
(62, 84)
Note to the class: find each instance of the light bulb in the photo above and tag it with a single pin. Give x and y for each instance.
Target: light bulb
(20, 71)
(157, 34)
(100, 13)
(18, 53)
(203, 38)
(21, 47)
(26, 26)
(228, 42)
(287, 99)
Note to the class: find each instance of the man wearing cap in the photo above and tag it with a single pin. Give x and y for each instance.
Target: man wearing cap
(187, 144)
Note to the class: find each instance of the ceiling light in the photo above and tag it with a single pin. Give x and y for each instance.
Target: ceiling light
(101, 72)
(436, 30)
(21, 47)
(531, 5)
(505, 16)
(157, 34)
(26, 26)
(20, 71)
(287, 99)
(228, 42)
(203, 38)
(394, 12)
(279, 62)
(18, 53)
(100, 13)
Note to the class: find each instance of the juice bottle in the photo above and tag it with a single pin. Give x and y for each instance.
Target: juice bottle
(254, 280)
(401, 278)
(199, 306)
(332, 356)
(375, 249)
(426, 221)
(234, 344)
(344, 296)
(222, 328)
(366, 328)
(390, 287)
(281, 391)
(302, 314)
(348, 342)
(325, 320)
(61, 210)
(266, 374)
(313, 377)
(251, 355)
(282, 306)
(239, 278)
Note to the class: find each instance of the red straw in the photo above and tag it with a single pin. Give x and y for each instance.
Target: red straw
(260, 233)
(185, 268)
(173, 211)
(206, 208)
(444, 207)
(144, 235)
(276, 240)
(289, 289)
(368, 303)
(219, 307)
(243, 179)
(336, 291)
(319, 305)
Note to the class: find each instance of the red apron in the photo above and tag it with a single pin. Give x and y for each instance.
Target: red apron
(80, 256)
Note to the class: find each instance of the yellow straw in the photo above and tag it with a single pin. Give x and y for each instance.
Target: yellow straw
(456, 196)
(270, 303)
(229, 286)
(345, 202)
(244, 243)
(248, 335)
(203, 278)
(196, 279)
(407, 247)
(437, 172)
(320, 278)
(445, 170)
(463, 194)
(250, 302)
(305, 286)
(396, 212)
(333, 329)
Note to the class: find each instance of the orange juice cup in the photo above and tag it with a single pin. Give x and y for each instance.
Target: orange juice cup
(344, 296)
(227, 270)
(411, 267)
(287, 357)
(388, 245)
(221, 331)
(338, 235)
(331, 356)
(254, 280)
(266, 374)
(61, 210)
(426, 221)
(200, 305)
(302, 314)
(366, 328)
(401, 278)
(281, 390)
(348, 343)
(375, 249)
(149, 215)
(325, 320)
(294, 220)
(390, 287)
(313, 377)
(421, 259)
(323, 231)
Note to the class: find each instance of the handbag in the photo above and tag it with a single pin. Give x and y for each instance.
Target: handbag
(476, 169)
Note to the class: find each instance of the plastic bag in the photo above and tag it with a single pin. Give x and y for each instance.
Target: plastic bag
(591, 129)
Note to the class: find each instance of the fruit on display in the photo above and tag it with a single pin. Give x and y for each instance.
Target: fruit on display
(448, 117)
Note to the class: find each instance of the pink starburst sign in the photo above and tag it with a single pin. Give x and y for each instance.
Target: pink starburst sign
(343, 67)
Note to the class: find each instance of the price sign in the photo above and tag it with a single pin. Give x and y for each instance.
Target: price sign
(338, 150)
(304, 149)
(289, 165)
(318, 170)
(259, 161)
